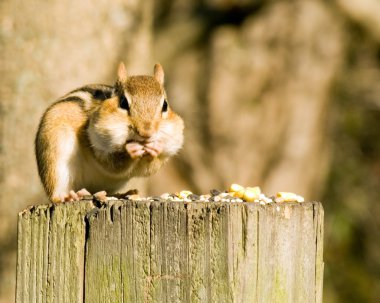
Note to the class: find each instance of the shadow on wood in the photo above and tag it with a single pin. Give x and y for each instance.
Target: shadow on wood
(132, 251)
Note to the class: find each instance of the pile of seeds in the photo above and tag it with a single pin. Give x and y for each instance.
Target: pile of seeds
(236, 193)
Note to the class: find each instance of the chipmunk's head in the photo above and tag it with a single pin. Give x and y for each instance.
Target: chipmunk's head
(143, 100)
(138, 112)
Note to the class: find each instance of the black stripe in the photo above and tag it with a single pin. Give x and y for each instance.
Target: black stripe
(99, 92)
(71, 99)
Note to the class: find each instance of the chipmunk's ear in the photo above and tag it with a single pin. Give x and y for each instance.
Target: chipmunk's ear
(122, 72)
(159, 73)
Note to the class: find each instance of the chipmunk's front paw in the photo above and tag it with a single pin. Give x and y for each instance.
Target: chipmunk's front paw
(154, 148)
(135, 149)
(71, 196)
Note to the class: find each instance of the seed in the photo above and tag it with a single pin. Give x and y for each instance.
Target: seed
(215, 192)
(207, 197)
(184, 193)
(236, 193)
(165, 196)
(176, 199)
(217, 198)
(300, 199)
(112, 198)
(193, 197)
(268, 200)
(134, 197)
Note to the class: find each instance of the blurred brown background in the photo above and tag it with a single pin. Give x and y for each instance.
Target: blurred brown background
(281, 94)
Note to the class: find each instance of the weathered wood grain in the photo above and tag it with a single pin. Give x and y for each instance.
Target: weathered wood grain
(50, 260)
(134, 251)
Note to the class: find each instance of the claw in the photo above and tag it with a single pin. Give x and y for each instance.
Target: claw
(153, 148)
(83, 192)
(101, 196)
(71, 196)
(135, 149)
(151, 152)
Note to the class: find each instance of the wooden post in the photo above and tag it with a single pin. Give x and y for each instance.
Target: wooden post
(139, 251)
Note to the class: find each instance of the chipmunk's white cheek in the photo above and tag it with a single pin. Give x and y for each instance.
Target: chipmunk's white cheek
(171, 136)
(118, 133)
(108, 137)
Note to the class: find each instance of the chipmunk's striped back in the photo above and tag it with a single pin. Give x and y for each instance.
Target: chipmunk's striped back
(90, 95)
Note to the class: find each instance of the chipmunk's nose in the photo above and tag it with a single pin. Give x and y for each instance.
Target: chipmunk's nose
(146, 130)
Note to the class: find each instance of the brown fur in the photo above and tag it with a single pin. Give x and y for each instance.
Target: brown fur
(82, 139)
(57, 120)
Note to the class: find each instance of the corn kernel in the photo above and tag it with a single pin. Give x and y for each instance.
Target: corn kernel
(251, 194)
(288, 197)
(255, 189)
(236, 187)
(240, 193)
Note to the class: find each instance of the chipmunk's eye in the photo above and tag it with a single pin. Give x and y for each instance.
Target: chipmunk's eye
(124, 104)
(165, 106)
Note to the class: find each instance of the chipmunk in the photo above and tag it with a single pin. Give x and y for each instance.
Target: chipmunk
(97, 137)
